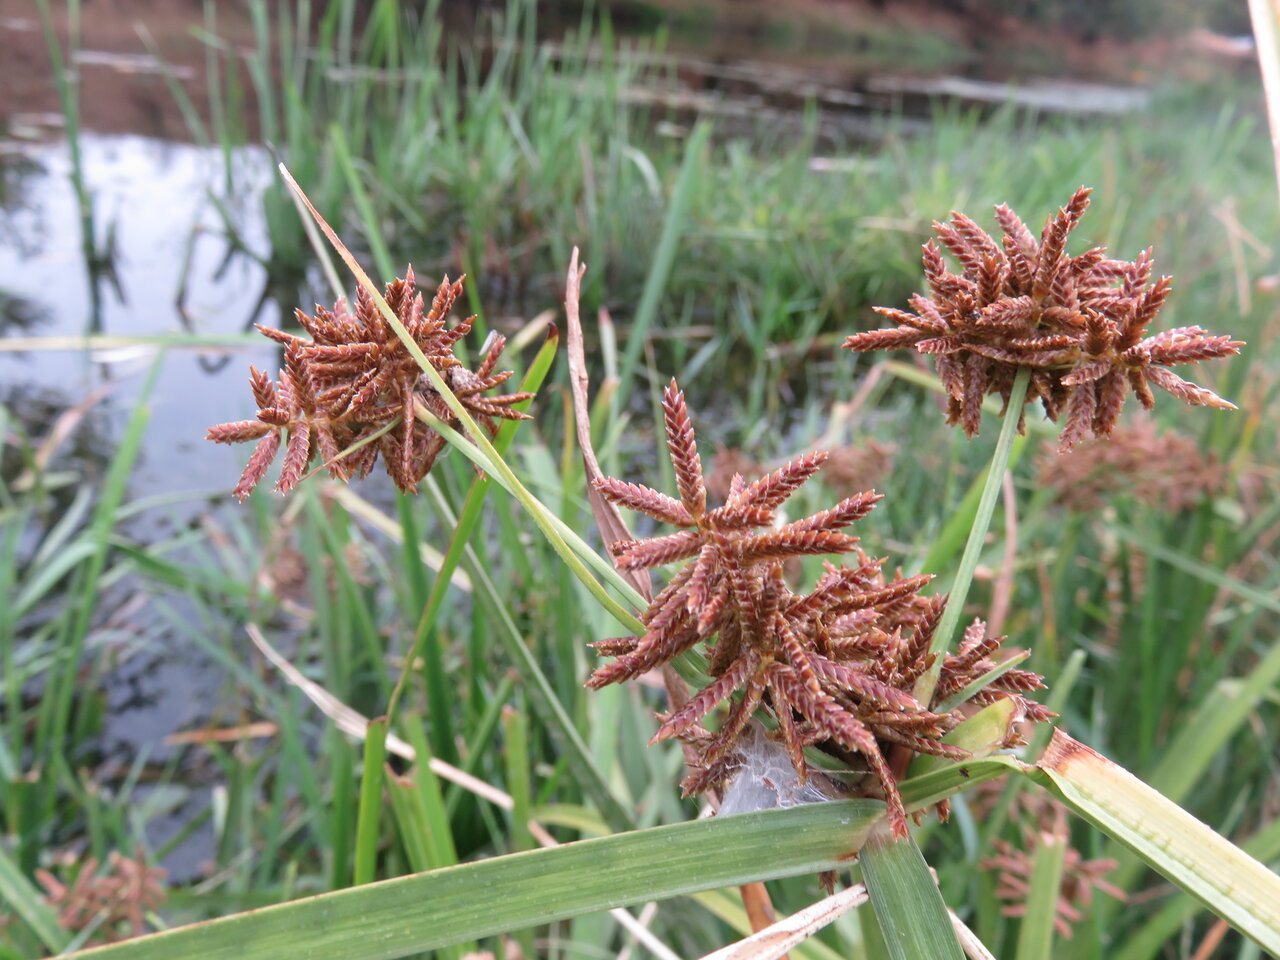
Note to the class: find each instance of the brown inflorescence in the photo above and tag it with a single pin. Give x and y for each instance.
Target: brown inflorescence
(834, 667)
(1077, 324)
(354, 379)
(1166, 470)
(114, 902)
(1014, 866)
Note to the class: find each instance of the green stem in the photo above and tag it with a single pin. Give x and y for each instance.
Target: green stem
(481, 450)
(973, 546)
(467, 519)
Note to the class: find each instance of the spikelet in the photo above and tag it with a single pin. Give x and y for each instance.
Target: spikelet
(1079, 323)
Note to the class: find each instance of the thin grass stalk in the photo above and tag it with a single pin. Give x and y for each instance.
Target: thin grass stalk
(56, 722)
(67, 80)
(543, 695)
(665, 254)
(1036, 931)
(367, 820)
(341, 812)
(959, 592)
(426, 798)
(515, 728)
(468, 516)
(360, 197)
(481, 735)
(482, 449)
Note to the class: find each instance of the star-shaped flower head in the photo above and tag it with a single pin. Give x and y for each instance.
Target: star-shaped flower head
(731, 546)
(1078, 324)
(834, 668)
(355, 382)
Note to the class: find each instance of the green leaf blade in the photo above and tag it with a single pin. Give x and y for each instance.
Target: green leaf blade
(1226, 879)
(907, 902)
(395, 918)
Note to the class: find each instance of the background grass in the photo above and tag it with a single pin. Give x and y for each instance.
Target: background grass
(745, 262)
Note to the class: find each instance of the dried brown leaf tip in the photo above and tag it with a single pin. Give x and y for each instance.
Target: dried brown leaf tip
(834, 667)
(1078, 323)
(354, 384)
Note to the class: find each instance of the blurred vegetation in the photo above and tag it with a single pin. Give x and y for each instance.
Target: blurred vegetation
(736, 263)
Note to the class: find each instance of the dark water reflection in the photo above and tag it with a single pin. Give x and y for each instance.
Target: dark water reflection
(151, 200)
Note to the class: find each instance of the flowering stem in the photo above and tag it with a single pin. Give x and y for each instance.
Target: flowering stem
(977, 534)
(482, 450)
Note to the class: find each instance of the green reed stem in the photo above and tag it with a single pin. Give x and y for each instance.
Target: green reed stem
(977, 534)
(467, 519)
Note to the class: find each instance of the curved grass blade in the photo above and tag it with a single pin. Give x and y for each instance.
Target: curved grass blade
(1147, 942)
(1226, 879)
(426, 911)
(469, 515)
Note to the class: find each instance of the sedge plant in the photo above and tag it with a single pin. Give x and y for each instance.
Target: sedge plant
(855, 678)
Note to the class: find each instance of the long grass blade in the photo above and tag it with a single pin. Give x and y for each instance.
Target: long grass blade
(665, 253)
(908, 905)
(1035, 933)
(395, 918)
(369, 816)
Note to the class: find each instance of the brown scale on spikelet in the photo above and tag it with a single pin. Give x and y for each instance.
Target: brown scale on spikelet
(834, 667)
(1078, 323)
(354, 378)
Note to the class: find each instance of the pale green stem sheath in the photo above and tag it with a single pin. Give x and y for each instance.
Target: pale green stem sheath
(553, 528)
(973, 546)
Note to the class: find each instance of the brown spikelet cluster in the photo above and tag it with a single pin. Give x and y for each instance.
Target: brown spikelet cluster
(114, 901)
(1080, 877)
(354, 379)
(1077, 323)
(1165, 470)
(834, 667)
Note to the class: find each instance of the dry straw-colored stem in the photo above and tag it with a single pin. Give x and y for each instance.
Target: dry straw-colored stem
(1265, 14)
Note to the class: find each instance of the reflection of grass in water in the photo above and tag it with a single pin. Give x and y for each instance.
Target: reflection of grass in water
(20, 314)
